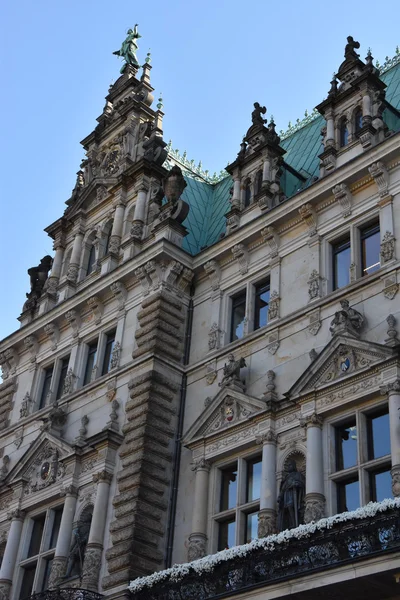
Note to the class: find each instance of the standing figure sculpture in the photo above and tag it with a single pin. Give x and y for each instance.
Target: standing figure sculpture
(256, 117)
(231, 371)
(78, 546)
(129, 48)
(291, 498)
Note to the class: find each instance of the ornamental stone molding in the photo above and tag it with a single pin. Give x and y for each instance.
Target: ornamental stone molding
(380, 174)
(343, 196)
(270, 394)
(26, 406)
(395, 472)
(266, 437)
(347, 321)
(213, 271)
(312, 420)
(211, 372)
(214, 337)
(113, 418)
(390, 388)
(120, 293)
(96, 307)
(102, 475)
(9, 360)
(53, 333)
(391, 287)
(58, 570)
(32, 346)
(115, 356)
(314, 286)
(201, 464)
(309, 216)
(313, 354)
(314, 507)
(197, 546)
(231, 373)
(388, 247)
(273, 308)
(241, 255)
(392, 341)
(16, 514)
(73, 319)
(314, 322)
(173, 276)
(91, 567)
(267, 522)
(69, 383)
(55, 420)
(69, 490)
(270, 236)
(273, 342)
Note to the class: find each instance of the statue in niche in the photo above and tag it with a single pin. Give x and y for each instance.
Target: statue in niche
(346, 319)
(349, 51)
(256, 117)
(231, 371)
(80, 537)
(291, 498)
(129, 48)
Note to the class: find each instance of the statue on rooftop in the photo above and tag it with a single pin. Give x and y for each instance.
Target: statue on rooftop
(38, 277)
(129, 48)
(256, 114)
(349, 51)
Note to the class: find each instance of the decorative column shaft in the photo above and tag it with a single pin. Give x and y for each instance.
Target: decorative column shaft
(138, 217)
(116, 232)
(94, 548)
(366, 106)
(330, 130)
(267, 514)
(266, 170)
(73, 268)
(10, 553)
(198, 538)
(236, 192)
(393, 391)
(315, 499)
(61, 554)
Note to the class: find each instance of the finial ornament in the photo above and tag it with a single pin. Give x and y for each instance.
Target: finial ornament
(129, 48)
(148, 57)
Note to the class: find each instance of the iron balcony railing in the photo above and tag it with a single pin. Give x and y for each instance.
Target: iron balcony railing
(347, 542)
(66, 594)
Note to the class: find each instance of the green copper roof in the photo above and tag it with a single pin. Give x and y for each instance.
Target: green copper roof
(209, 202)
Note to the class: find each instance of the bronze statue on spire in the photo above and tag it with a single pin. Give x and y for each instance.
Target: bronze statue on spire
(129, 48)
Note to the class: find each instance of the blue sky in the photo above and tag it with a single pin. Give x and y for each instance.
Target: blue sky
(211, 60)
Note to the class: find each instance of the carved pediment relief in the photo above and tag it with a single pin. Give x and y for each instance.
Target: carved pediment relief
(228, 409)
(90, 196)
(342, 357)
(42, 465)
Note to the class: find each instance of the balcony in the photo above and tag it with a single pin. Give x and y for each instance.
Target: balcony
(351, 542)
(66, 594)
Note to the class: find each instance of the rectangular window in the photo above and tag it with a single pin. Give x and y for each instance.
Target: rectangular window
(228, 488)
(238, 316)
(380, 485)
(348, 495)
(251, 527)
(253, 488)
(90, 362)
(370, 249)
(378, 435)
(48, 374)
(341, 263)
(346, 446)
(63, 374)
(261, 305)
(227, 534)
(109, 345)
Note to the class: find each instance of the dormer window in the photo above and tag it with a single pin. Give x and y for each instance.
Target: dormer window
(247, 193)
(344, 133)
(358, 120)
(258, 182)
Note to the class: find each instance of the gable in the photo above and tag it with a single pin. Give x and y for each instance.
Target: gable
(341, 358)
(228, 409)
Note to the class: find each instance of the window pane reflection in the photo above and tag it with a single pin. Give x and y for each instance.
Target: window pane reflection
(346, 446)
(370, 249)
(381, 486)
(227, 531)
(228, 488)
(341, 264)
(253, 480)
(251, 526)
(378, 436)
(238, 315)
(261, 306)
(348, 496)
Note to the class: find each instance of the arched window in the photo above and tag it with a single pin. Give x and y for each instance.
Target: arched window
(91, 259)
(258, 182)
(344, 133)
(247, 193)
(358, 120)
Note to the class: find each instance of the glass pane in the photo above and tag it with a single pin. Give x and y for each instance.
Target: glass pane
(63, 374)
(238, 314)
(261, 308)
(253, 480)
(227, 532)
(379, 436)
(47, 568)
(108, 353)
(341, 265)
(247, 195)
(381, 486)
(251, 526)
(228, 488)
(56, 527)
(48, 374)
(27, 582)
(348, 496)
(346, 446)
(91, 259)
(370, 251)
(91, 359)
(36, 537)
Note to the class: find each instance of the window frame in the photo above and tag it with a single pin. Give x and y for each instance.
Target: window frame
(257, 294)
(366, 231)
(238, 299)
(52, 393)
(338, 242)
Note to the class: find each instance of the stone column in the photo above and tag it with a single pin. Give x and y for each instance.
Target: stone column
(267, 514)
(94, 548)
(266, 169)
(139, 214)
(393, 391)
(61, 554)
(10, 555)
(198, 538)
(73, 269)
(59, 247)
(118, 222)
(330, 130)
(315, 499)
(236, 192)
(366, 107)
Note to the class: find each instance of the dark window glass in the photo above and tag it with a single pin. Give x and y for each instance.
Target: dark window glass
(91, 260)
(90, 362)
(341, 263)
(378, 435)
(261, 305)
(247, 194)
(344, 133)
(108, 238)
(370, 249)
(253, 480)
(56, 528)
(348, 495)
(36, 536)
(48, 374)
(258, 182)
(228, 488)
(251, 526)
(110, 341)
(63, 374)
(358, 120)
(27, 582)
(381, 485)
(47, 568)
(346, 446)
(226, 537)
(238, 315)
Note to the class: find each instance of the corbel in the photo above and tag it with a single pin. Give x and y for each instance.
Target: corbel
(241, 255)
(344, 197)
(120, 293)
(273, 342)
(32, 346)
(271, 237)
(97, 308)
(74, 321)
(213, 271)
(380, 174)
(314, 321)
(53, 333)
(309, 216)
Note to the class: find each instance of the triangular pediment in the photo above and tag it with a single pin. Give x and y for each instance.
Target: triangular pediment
(228, 409)
(342, 357)
(90, 196)
(42, 464)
